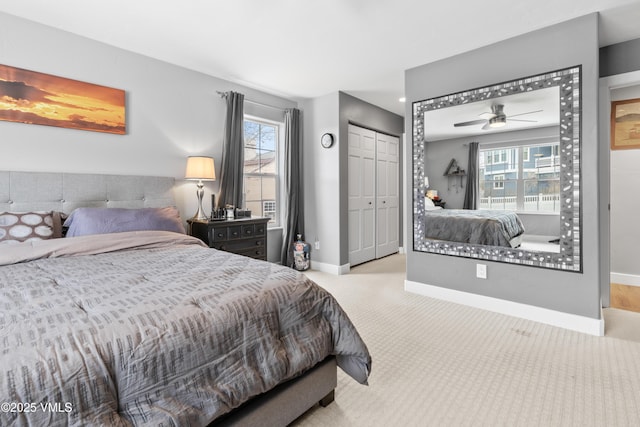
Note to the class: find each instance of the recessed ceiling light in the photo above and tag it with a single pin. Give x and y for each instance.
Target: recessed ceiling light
(403, 99)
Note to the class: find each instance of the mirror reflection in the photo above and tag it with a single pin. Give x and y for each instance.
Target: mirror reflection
(496, 172)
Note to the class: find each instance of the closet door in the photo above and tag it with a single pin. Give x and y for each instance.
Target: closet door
(387, 197)
(362, 179)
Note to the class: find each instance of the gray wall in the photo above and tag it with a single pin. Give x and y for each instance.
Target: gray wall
(172, 112)
(620, 58)
(355, 111)
(568, 44)
(322, 179)
(326, 184)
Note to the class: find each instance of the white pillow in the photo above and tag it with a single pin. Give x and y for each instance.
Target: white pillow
(429, 206)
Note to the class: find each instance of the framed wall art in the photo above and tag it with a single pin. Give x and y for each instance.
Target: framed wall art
(625, 124)
(43, 99)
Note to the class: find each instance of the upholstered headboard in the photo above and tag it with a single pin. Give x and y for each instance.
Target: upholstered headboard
(44, 191)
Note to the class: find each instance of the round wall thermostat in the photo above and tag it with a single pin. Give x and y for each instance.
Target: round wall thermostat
(326, 140)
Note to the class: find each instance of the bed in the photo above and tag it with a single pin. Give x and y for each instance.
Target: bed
(478, 227)
(147, 327)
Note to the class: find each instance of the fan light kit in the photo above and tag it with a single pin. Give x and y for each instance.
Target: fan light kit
(497, 122)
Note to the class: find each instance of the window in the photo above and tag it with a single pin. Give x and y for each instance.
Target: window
(524, 178)
(261, 140)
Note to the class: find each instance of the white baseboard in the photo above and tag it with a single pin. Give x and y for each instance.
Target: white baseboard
(401, 250)
(625, 279)
(330, 268)
(572, 322)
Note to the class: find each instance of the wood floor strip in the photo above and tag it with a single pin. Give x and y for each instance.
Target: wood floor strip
(625, 297)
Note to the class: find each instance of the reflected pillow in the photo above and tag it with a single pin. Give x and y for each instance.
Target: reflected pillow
(429, 206)
(16, 227)
(83, 221)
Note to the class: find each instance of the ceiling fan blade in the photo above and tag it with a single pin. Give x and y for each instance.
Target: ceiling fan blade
(521, 120)
(487, 116)
(486, 126)
(522, 114)
(471, 123)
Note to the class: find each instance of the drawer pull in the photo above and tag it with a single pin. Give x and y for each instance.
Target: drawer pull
(220, 235)
(235, 233)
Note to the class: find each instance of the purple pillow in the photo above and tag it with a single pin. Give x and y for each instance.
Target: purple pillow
(83, 221)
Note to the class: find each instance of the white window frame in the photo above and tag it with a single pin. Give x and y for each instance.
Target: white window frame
(279, 167)
(498, 178)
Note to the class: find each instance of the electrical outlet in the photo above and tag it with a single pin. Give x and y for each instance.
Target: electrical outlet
(481, 271)
(317, 245)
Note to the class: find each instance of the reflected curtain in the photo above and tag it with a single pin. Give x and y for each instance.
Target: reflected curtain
(231, 177)
(293, 201)
(471, 192)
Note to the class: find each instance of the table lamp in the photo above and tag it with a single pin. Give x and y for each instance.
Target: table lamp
(201, 169)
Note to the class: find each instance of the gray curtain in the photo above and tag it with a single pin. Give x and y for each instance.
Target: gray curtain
(293, 202)
(471, 193)
(231, 180)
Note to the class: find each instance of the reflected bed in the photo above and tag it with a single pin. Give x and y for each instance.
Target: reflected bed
(478, 227)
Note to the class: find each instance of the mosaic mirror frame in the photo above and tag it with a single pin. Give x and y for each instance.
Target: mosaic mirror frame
(569, 257)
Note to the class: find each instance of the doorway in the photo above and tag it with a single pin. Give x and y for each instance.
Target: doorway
(624, 280)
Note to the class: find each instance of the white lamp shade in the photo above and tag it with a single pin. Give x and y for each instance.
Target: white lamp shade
(201, 168)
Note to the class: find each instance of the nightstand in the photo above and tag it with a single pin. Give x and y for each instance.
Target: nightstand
(242, 236)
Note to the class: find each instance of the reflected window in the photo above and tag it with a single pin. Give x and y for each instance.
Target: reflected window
(261, 141)
(525, 178)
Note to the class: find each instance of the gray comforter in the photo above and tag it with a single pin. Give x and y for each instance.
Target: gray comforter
(157, 331)
(478, 227)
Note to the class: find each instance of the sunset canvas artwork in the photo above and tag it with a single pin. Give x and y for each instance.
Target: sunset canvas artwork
(38, 98)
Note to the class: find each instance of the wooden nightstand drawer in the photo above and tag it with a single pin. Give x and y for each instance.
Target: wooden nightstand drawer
(235, 232)
(218, 234)
(237, 246)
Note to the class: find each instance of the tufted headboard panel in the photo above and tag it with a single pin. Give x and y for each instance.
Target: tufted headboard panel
(44, 191)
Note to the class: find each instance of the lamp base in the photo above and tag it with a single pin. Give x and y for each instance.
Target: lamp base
(200, 215)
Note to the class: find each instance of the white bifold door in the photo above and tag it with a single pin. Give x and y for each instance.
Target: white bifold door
(373, 195)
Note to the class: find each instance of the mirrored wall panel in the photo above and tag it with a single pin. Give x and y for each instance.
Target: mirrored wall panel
(514, 196)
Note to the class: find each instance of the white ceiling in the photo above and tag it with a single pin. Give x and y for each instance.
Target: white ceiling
(305, 49)
(541, 106)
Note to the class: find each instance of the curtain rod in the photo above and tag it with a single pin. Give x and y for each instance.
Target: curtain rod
(224, 94)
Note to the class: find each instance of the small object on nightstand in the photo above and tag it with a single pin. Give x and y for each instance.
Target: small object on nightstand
(230, 212)
(439, 202)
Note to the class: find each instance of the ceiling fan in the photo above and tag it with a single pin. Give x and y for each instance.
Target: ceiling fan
(496, 118)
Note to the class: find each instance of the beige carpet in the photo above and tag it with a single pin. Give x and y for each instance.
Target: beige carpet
(437, 363)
